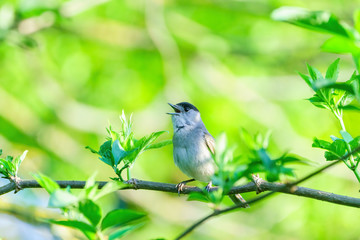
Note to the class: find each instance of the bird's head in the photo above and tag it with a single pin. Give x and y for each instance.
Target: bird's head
(185, 115)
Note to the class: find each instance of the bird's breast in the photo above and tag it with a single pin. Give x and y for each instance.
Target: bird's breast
(193, 157)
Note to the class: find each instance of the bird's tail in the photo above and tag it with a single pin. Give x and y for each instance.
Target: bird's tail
(239, 200)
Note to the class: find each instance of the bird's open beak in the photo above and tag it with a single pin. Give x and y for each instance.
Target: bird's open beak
(176, 109)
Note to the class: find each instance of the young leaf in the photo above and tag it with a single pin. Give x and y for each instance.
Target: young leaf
(307, 79)
(318, 102)
(61, 198)
(91, 211)
(159, 144)
(314, 73)
(314, 20)
(355, 143)
(47, 183)
(338, 44)
(333, 71)
(87, 229)
(120, 217)
(109, 188)
(106, 153)
(123, 231)
(321, 144)
(118, 152)
(7, 168)
(196, 196)
(346, 136)
(92, 150)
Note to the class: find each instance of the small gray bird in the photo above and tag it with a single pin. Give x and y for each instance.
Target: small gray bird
(193, 147)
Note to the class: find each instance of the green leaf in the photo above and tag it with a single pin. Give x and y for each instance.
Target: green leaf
(307, 79)
(314, 73)
(265, 158)
(320, 21)
(159, 144)
(1, 152)
(18, 160)
(339, 44)
(47, 183)
(321, 144)
(329, 156)
(333, 71)
(7, 167)
(109, 188)
(61, 198)
(90, 188)
(355, 143)
(118, 152)
(196, 196)
(318, 102)
(91, 211)
(287, 171)
(106, 153)
(117, 234)
(92, 150)
(121, 217)
(346, 136)
(337, 149)
(87, 229)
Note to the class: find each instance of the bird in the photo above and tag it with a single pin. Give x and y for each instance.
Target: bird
(194, 147)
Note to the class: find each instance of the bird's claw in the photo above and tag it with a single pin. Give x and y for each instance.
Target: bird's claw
(208, 186)
(257, 180)
(180, 187)
(133, 182)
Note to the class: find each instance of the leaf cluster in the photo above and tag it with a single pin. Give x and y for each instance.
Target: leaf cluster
(86, 214)
(259, 159)
(9, 166)
(121, 149)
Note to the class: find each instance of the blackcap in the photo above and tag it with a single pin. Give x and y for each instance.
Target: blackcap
(194, 146)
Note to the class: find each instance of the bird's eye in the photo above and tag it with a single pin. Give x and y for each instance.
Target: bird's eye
(186, 109)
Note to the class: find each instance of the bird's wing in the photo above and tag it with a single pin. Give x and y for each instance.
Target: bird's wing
(210, 142)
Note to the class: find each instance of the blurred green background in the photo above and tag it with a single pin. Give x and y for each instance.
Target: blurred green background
(68, 68)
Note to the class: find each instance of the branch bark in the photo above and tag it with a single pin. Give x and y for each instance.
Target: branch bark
(167, 187)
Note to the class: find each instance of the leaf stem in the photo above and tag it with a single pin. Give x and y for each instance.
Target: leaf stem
(128, 173)
(352, 166)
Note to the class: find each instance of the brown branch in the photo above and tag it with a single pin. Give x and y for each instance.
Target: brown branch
(167, 187)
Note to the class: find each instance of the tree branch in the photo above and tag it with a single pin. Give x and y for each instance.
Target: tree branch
(167, 187)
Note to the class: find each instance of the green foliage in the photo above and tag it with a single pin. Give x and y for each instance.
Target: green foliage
(47, 183)
(120, 217)
(86, 214)
(328, 94)
(9, 166)
(344, 38)
(260, 160)
(335, 97)
(232, 168)
(121, 149)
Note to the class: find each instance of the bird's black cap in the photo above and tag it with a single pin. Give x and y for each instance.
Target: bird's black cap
(187, 105)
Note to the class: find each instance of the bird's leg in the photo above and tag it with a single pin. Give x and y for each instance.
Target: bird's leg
(208, 186)
(181, 185)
